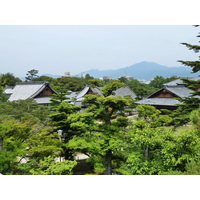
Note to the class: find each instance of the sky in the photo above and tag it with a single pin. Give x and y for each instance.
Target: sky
(56, 49)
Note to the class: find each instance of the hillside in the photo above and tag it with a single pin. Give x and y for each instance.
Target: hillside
(143, 70)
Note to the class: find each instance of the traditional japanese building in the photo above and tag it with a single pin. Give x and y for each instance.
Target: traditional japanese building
(41, 91)
(122, 91)
(165, 98)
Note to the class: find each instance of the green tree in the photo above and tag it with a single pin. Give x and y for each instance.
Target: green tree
(95, 82)
(158, 81)
(141, 89)
(181, 115)
(25, 109)
(8, 79)
(59, 118)
(188, 104)
(53, 82)
(70, 83)
(149, 113)
(108, 89)
(105, 138)
(195, 118)
(59, 97)
(48, 166)
(153, 151)
(195, 65)
(3, 96)
(34, 143)
(31, 75)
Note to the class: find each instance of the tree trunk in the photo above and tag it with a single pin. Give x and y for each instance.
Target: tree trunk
(109, 162)
(1, 144)
(146, 153)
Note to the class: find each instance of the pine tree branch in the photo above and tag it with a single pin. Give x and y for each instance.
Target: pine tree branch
(195, 48)
(194, 64)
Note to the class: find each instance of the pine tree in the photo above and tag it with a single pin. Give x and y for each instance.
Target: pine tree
(195, 65)
(189, 103)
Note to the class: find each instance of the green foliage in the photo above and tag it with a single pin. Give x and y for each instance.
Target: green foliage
(88, 77)
(103, 135)
(25, 109)
(8, 79)
(181, 115)
(59, 97)
(123, 79)
(140, 89)
(34, 143)
(49, 79)
(147, 112)
(31, 75)
(161, 120)
(95, 82)
(158, 81)
(48, 166)
(195, 65)
(190, 103)
(112, 86)
(195, 118)
(70, 83)
(3, 97)
(159, 151)
(60, 119)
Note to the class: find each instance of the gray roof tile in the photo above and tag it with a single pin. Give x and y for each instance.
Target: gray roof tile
(25, 90)
(180, 91)
(180, 82)
(159, 101)
(124, 91)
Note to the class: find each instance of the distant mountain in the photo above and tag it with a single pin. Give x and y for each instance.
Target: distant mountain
(143, 70)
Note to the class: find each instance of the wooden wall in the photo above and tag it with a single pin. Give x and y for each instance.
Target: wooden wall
(46, 92)
(164, 94)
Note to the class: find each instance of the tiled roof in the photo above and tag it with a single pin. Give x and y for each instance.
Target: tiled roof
(86, 89)
(71, 95)
(177, 87)
(25, 90)
(43, 100)
(78, 102)
(180, 91)
(8, 90)
(180, 82)
(159, 101)
(124, 91)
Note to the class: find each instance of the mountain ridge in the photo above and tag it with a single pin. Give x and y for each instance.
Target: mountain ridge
(143, 71)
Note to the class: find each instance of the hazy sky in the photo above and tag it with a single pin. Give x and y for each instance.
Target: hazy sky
(57, 49)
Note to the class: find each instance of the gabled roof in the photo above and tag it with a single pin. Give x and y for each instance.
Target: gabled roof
(85, 91)
(26, 90)
(180, 82)
(177, 87)
(124, 91)
(179, 91)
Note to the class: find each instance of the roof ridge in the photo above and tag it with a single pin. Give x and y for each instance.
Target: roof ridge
(31, 83)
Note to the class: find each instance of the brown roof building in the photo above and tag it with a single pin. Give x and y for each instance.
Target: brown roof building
(41, 91)
(165, 98)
